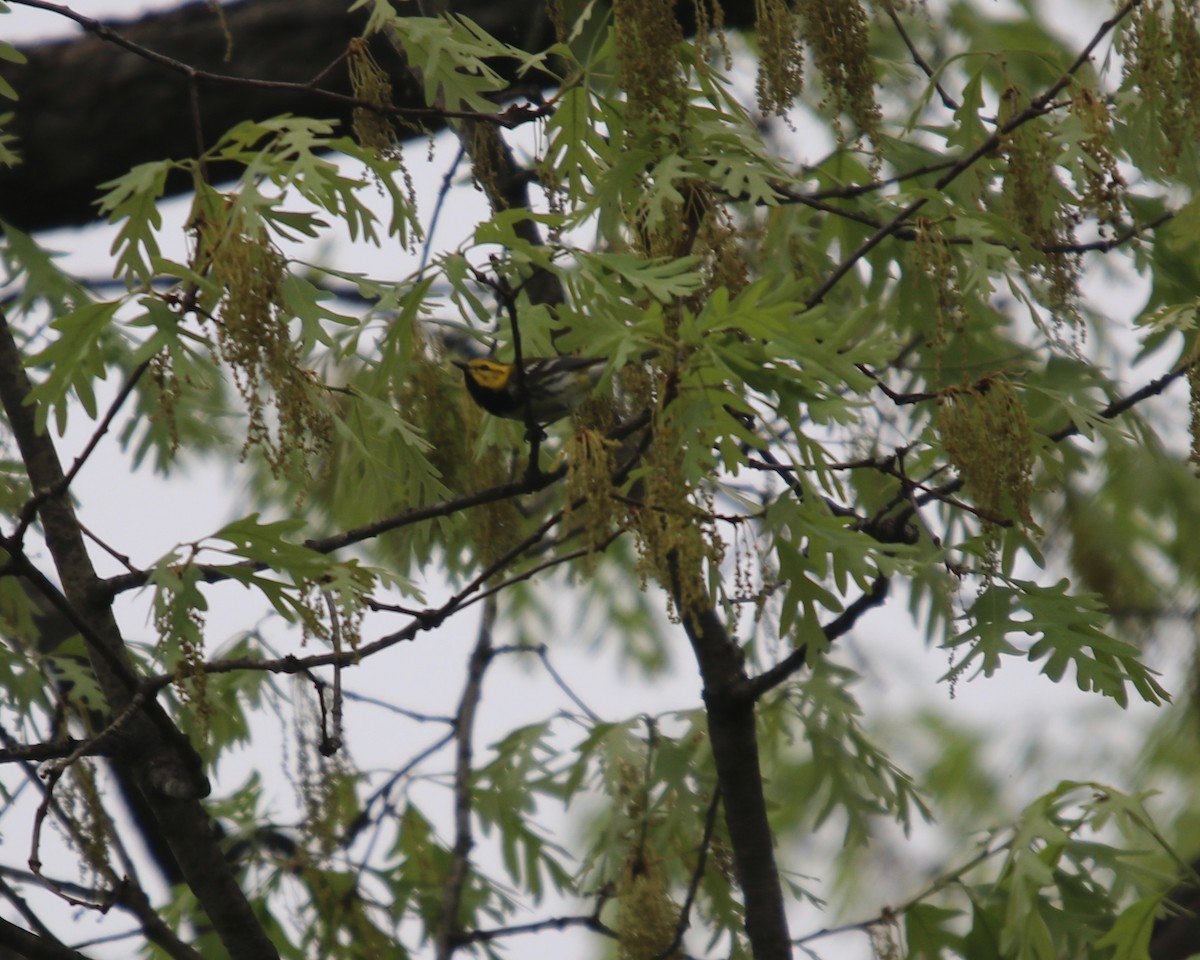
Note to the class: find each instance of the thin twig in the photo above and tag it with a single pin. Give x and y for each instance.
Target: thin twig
(890, 913)
(1113, 410)
(331, 740)
(817, 201)
(121, 558)
(395, 708)
(537, 926)
(554, 561)
(947, 101)
(30, 508)
(1118, 407)
(504, 491)
(435, 216)
(685, 912)
(31, 918)
(756, 686)
(544, 656)
(1038, 106)
(381, 793)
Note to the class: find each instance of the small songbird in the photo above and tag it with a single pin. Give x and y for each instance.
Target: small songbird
(550, 389)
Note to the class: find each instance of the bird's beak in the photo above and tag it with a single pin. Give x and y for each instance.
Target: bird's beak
(461, 364)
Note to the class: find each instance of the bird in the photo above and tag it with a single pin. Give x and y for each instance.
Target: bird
(546, 390)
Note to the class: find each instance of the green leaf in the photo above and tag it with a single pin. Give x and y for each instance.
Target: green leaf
(268, 544)
(12, 55)
(1129, 936)
(1070, 630)
(133, 198)
(929, 931)
(664, 280)
(75, 361)
(31, 268)
(450, 56)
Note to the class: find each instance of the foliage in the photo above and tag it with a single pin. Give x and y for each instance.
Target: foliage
(834, 382)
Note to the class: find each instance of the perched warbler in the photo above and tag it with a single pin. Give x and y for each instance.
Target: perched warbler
(550, 388)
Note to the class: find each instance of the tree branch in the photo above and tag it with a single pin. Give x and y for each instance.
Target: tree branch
(464, 730)
(537, 926)
(128, 109)
(685, 912)
(1110, 412)
(733, 734)
(167, 772)
(25, 944)
(196, 75)
(1039, 105)
(215, 574)
(795, 661)
(947, 101)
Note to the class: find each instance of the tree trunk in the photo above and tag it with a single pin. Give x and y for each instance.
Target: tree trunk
(90, 109)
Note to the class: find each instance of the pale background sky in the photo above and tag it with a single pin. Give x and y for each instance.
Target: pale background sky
(1018, 708)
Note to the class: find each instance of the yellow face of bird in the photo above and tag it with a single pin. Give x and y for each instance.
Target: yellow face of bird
(490, 374)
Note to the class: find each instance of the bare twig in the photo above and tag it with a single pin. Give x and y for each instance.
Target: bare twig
(685, 912)
(436, 214)
(544, 656)
(889, 914)
(51, 775)
(504, 491)
(554, 561)
(331, 740)
(591, 922)
(795, 661)
(26, 912)
(30, 509)
(947, 101)
(818, 201)
(382, 792)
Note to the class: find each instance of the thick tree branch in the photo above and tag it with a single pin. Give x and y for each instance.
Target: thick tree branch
(464, 730)
(166, 770)
(196, 76)
(733, 734)
(24, 944)
(90, 110)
